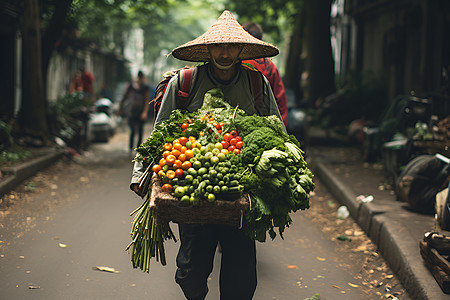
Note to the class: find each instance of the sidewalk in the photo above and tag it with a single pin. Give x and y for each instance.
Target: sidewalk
(392, 227)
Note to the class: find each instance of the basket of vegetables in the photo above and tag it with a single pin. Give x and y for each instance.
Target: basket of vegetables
(218, 165)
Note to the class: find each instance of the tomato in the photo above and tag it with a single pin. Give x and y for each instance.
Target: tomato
(177, 146)
(182, 157)
(170, 174)
(179, 173)
(183, 140)
(184, 126)
(166, 153)
(168, 147)
(192, 139)
(177, 164)
(224, 151)
(189, 145)
(202, 133)
(239, 144)
(176, 152)
(162, 162)
(167, 188)
(225, 144)
(217, 125)
(231, 148)
(221, 124)
(183, 149)
(239, 138)
(156, 168)
(236, 151)
(189, 121)
(233, 133)
(186, 165)
(189, 154)
(170, 159)
(233, 142)
(219, 131)
(161, 173)
(227, 137)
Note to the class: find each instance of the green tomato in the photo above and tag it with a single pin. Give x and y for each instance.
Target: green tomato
(179, 192)
(192, 171)
(216, 189)
(188, 144)
(185, 199)
(197, 165)
(208, 155)
(214, 160)
(202, 171)
(211, 197)
(221, 156)
(196, 151)
(215, 151)
(189, 178)
(210, 146)
(218, 146)
(203, 150)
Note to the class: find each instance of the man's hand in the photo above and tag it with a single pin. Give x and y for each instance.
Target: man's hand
(136, 189)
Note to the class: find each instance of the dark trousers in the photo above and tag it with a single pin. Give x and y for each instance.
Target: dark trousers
(136, 128)
(196, 256)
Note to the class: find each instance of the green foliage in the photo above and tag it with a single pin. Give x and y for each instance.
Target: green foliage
(12, 156)
(5, 135)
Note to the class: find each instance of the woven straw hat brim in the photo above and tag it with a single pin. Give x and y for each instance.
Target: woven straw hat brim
(226, 30)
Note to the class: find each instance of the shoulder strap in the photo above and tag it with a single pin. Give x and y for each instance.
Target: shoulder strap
(256, 79)
(184, 88)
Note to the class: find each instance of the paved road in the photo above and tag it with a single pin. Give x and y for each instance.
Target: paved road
(52, 238)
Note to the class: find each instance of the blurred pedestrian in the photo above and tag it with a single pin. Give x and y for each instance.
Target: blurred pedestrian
(268, 68)
(76, 84)
(134, 106)
(88, 84)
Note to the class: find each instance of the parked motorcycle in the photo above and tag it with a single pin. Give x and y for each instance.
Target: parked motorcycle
(103, 121)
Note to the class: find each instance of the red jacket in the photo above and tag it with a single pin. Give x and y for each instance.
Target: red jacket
(268, 68)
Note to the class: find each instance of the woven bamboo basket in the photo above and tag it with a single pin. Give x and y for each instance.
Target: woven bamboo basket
(169, 208)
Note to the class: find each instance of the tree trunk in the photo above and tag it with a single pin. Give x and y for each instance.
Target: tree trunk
(32, 116)
(51, 35)
(320, 64)
(294, 66)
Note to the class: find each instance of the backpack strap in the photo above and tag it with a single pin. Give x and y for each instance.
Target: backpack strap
(256, 79)
(184, 88)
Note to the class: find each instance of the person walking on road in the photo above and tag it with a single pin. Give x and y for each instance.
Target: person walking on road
(269, 69)
(222, 48)
(134, 106)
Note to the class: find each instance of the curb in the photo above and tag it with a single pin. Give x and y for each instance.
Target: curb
(23, 171)
(401, 251)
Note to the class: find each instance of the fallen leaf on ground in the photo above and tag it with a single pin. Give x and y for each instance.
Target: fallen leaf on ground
(292, 267)
(335, 286)
(105, 269)
(34, 287)
(62, 245)
(353, 285)
(320, 258)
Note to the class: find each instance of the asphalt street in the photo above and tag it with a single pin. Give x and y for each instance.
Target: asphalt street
(54, 238)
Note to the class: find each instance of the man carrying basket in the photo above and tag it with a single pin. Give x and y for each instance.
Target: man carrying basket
(222, 47)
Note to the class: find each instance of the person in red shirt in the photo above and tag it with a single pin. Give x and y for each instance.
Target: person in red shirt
(88, 83)
(268, 68)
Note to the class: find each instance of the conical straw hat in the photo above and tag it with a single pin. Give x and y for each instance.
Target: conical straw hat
(225, 30)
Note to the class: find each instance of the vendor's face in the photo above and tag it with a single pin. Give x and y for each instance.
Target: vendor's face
(224, 54)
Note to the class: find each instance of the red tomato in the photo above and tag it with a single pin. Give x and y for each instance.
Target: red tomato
(221, 124)
(225, 144)
(167, 188)
(217, 125)
(231, 148)
(233, 133)
(239, 144)
(227, 137)
(184, 126)
(236, 151)
(179, 173)
(183, 140)
(239, 138)
(233, 142)
(156, 168)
